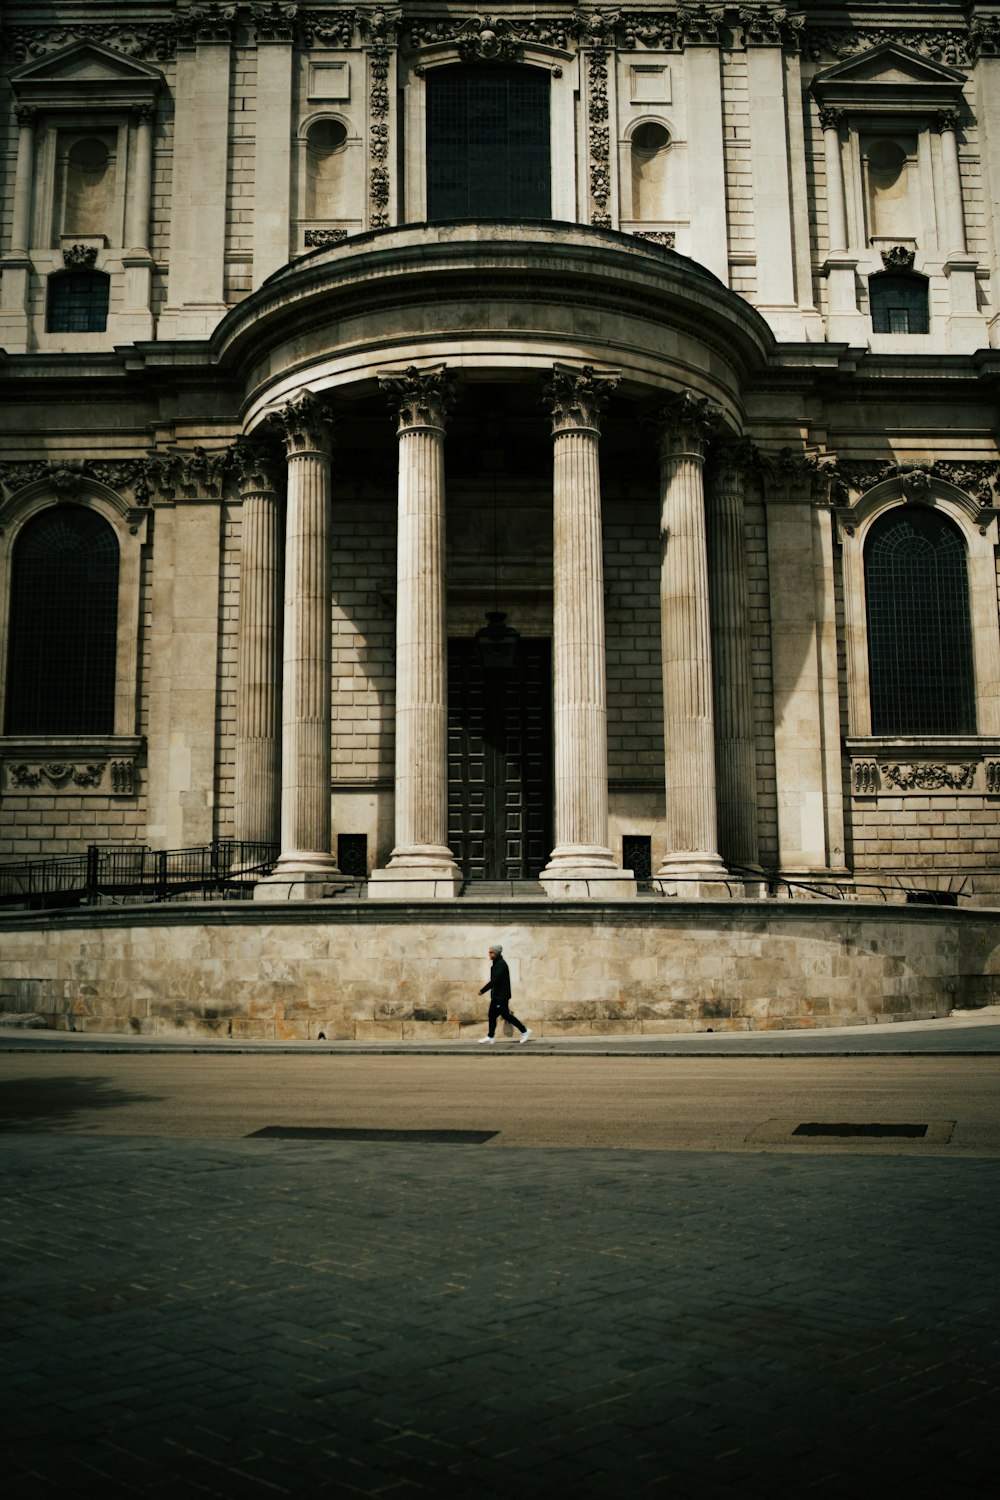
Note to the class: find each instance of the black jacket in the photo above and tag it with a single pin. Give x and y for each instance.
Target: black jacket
(499, 983)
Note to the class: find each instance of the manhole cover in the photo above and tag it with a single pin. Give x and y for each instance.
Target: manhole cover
(826, 1127)
(350, 1133)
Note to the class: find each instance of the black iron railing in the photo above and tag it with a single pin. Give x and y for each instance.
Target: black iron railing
(228, 867)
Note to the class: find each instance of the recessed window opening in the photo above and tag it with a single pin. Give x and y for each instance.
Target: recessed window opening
(87, 202)
(919, 632)
(898, 303)
(77, 302)
(650, 153)
(63, 625)
(325, 180)
(488, 152)
(889, 165)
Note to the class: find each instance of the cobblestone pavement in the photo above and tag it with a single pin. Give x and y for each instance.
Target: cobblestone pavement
(267, 1317)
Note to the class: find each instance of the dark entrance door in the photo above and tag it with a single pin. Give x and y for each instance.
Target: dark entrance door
(499, 764)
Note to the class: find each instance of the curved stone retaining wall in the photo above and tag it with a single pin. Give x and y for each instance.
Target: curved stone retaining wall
(413, 971)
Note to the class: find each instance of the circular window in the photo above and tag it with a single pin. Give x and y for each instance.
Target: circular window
(650, 138)
(327, 136)
(89, 155)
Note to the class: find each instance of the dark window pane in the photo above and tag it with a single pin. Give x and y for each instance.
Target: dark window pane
(352, 854)
(898, 304)
(78, 302)
(919, 635)
(488, 143)
(63, 626)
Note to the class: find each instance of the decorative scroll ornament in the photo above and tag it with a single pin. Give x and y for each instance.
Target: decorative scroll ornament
(306, 425)
(866, 782)
(577, 396)
(825, 44)
(274, 22)
(658, 30)
(993, 776)
(979, 478)
(929, 777)
(665, 237)
(258, 466)
(327, 28)
(158, 41)
(209, 21)
(489, 38)
(767, 26)
(898, 258)
(324, 237)
(420, 398)
(701, 25)
(80, 257)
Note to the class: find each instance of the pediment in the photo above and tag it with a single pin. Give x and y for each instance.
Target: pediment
(890, 63)
(889, 78)
(88, 71)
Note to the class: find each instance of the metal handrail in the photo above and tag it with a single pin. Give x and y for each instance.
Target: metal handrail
(107, 873)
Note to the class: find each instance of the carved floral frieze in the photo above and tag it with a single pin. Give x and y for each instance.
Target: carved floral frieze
(98, 768)
(830, 44)
(190, 472)
(880, 773)
(316, 238)
(980, 478)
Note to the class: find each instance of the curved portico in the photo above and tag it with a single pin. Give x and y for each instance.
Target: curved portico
(567, 318)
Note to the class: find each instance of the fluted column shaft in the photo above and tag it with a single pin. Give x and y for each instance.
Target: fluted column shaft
(20, 233)
(579, 684)
(688, 709)
(258, 671)
(735, 761)
(421, 857)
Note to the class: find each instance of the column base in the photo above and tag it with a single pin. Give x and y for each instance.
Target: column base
(696, 877)
(417, 875)
(302, 877)
(586, 872)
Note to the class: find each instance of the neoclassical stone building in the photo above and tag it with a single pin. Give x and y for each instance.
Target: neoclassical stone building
(550, 445)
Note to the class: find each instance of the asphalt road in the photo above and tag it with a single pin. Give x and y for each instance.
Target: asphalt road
(519, 1099)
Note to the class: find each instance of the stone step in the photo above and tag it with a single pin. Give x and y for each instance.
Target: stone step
(495, 888)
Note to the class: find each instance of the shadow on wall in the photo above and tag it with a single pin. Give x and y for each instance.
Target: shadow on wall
(46, 1103)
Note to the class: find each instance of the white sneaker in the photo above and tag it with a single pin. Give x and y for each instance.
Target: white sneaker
(525, 1035)
(489, 1039)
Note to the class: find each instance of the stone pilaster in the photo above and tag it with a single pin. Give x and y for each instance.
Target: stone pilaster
(135, 321)
(258, 672)
(15, 283)
(421, 863)
(692, 866)
(700, 28)
(965, 330)
(306, 868)
(735, 761)
(274, 31)
(581, 864)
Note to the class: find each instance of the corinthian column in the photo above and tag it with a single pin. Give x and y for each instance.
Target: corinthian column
(692, 866)
(258, 668)
(306, 869)
(735, 762)
(421, 863)
(581, 864)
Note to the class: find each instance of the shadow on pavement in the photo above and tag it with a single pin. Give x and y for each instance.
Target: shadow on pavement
(42, 1103)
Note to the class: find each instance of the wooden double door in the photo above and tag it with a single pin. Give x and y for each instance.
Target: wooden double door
(500, 763)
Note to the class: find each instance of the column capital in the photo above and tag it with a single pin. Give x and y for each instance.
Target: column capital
(947, 119)
(578, 396)
(305, 425)
(730, 457)
(26, 115)
(274, 21)
(143, 114)
(257, 465)
(684, 424)
(830, 118)
(420, 398)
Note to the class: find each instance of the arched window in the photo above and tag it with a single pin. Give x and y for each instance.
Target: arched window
(919, 633)
(898, 303)
(650, 150)
(63, 625)
(488, 154)
(77, 302)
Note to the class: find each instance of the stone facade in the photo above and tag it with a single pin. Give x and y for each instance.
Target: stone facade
(658, 416)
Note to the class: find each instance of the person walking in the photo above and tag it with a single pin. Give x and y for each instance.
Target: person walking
(498, 985)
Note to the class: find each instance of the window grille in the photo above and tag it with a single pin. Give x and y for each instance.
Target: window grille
(898, 304)
(63, 625)
(919, 632)
(637, 855)
(488, 154)
(78, 302)
(352, 854)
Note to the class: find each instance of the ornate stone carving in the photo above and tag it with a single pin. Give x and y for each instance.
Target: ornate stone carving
(257, 465)
(379, 29)
(701, 25)
(56, 774)
(210, 21)
(420, 398)
(80, 257)
(826, 44)
(665, 237)
(656, 29)
(143, 114)
(577, 397)
(685, 421)
(769, 26)
(122, 777)
(14, 476)
(797, 475)
(305, 425)
(866, 780)
(947, 119)
(488, 38)
(324, 237)
(274, 22)
(328, 28)
(731, 453)
(600, 141)
(25, 114)
(195, 472)
(979, 478)
(898, 258)
(984, 37)
(993, 776)
(928, 777)
(830, 119)
(22, 43)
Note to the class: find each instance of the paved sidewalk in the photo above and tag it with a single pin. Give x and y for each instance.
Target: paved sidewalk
(976, 1032)
(267, 1318)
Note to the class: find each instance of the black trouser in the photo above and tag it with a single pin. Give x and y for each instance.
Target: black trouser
(502, 1008)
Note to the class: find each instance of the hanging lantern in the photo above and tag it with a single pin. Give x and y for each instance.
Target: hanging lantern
(496, 645)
